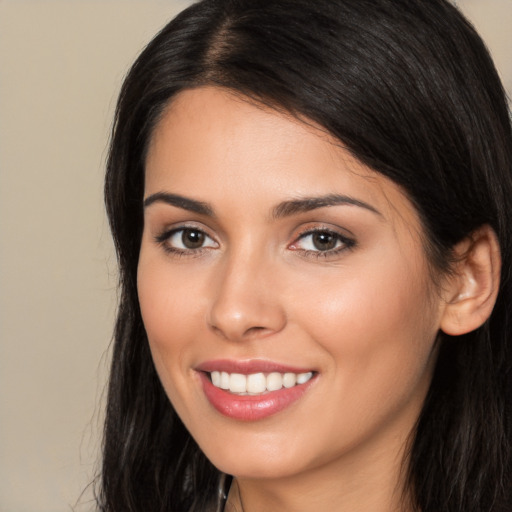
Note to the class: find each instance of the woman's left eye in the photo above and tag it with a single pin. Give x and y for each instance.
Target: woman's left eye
(186, 239)
(322, 241)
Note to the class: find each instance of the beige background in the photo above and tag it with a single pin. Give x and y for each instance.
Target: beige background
(61, 64)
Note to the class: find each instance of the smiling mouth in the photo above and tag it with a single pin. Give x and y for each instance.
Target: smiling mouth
(253, 390)
(257, 383)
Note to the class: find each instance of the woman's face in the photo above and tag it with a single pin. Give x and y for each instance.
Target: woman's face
(275, 264)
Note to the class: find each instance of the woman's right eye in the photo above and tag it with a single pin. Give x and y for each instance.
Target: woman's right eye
(186, 240)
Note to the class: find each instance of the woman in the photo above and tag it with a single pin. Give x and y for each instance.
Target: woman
(311, 205)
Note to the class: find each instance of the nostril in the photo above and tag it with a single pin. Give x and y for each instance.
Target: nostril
(236, 318)
(256, 331)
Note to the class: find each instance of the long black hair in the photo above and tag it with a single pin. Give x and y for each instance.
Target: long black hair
(409, 88)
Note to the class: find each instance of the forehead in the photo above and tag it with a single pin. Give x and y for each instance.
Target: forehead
(217, 146)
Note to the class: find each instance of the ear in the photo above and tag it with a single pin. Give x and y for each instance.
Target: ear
(471, 292)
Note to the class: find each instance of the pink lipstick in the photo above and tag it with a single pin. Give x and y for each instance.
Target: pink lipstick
(255, 389)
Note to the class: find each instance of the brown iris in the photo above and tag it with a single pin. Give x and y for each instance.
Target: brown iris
(192, 238)
(324, 241)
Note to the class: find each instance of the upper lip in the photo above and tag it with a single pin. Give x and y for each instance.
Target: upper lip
(247, 367)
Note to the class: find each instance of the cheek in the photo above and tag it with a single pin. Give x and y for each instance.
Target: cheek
(168, 313)
(378, 329)
(166, 301)
(367, 301)
(165, 313)
(155, 301)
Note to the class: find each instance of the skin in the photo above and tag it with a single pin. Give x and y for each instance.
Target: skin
(364, 316)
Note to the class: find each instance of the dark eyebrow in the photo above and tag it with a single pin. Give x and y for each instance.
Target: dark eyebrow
(180, 202)
(283, 209)
(307, 204)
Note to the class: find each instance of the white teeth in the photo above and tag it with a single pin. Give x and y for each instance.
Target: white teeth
(216, 379)
(274, 381)
(238, 383)
(256, 383)
(224, 380)
(289, 380)
(304, 377)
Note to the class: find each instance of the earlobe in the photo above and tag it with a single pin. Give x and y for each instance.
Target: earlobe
(472, 291)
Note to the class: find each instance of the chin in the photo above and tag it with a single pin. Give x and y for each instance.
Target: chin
(258, 458)
(256, 468)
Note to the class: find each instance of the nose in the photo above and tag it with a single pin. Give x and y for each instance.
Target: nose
(245, 301)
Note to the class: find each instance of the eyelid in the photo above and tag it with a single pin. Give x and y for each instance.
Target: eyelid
(347, 242)
(164, 236)
(175, 232)
(163, 229)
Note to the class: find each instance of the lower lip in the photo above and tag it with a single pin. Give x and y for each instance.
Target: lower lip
(251, 407)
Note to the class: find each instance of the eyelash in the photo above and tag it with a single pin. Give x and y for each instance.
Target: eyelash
(164, 240)
(345, 242)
